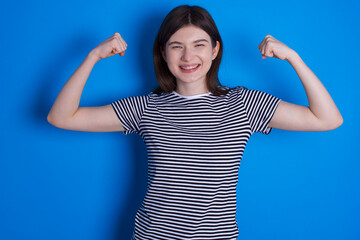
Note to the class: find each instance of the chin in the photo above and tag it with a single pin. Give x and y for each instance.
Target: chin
(189, 80)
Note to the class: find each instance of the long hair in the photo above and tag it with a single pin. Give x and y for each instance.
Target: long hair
(179, 17)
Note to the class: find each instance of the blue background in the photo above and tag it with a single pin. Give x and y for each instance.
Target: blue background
(58, 184)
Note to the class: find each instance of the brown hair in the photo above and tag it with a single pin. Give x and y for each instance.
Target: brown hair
(179, 17)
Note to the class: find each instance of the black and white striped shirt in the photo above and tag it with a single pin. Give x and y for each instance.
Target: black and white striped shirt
(195, 145)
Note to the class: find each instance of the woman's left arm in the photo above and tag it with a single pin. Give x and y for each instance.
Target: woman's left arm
(322, 113)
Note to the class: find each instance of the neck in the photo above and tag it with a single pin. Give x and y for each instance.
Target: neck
(190, 89)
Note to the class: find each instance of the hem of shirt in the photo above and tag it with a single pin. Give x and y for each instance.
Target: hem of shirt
(268, 129)
(126, 129)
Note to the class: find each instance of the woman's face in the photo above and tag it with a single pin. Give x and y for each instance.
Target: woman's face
(189, 54)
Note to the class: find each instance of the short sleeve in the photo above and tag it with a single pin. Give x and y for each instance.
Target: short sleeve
(129, 111)
(260, 108)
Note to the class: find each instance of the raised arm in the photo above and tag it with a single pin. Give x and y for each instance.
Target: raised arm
(66, 113)
(322, 113)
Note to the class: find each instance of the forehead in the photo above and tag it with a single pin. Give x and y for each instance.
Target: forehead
(189, 33)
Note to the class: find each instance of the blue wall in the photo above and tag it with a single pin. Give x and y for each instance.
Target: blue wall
(57, 184)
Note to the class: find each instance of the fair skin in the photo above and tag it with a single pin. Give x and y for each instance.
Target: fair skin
(322, 113)
(189, 54)
(66, 113)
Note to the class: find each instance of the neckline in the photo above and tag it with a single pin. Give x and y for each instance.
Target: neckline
(192, 96)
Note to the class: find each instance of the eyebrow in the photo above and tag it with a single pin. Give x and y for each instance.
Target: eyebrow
(196, 41)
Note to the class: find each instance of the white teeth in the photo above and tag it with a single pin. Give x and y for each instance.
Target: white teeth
(189, 67)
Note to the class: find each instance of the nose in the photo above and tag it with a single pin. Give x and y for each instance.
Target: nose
(187, 55)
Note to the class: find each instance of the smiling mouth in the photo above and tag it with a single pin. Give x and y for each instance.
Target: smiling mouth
(189, 67)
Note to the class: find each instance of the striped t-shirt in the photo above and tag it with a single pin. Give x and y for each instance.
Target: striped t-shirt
(195, 145)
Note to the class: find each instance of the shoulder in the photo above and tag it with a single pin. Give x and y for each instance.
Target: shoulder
(236, 92)
(249, 97)
(135, 99)
(238, 89)
(160, 97)
(244, 92)
(130, 103)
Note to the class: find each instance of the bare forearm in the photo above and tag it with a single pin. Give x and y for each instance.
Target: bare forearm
(67, 102)
(320, 102)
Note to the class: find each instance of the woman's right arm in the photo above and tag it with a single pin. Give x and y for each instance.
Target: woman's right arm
(66, 113)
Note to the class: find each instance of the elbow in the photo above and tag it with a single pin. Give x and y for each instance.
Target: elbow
(51, 120)
(334, 123)
(340, 121)
(54, 121)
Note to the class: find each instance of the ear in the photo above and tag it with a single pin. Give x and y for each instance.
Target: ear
(216, 50)
(163, 53)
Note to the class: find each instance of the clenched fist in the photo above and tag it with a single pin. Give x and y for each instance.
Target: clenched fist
(271, 47)
(111, 46)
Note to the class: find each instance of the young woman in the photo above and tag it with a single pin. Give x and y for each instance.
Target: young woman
(195, 129)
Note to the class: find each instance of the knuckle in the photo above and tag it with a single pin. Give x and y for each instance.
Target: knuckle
(270, 43)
